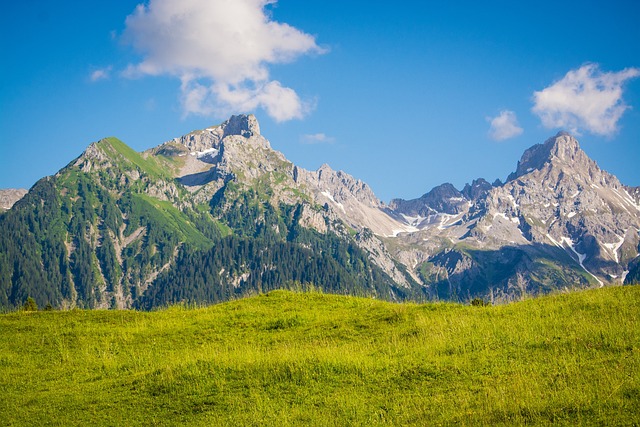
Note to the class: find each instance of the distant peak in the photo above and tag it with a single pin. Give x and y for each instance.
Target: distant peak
(478, 188)
(442, 190)
(324, 169)
(563, 146)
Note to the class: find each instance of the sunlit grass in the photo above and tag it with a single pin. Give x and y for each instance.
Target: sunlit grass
(314, 359)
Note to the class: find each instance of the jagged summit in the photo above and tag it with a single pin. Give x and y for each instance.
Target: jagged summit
(243, 125)
(561, 153)
(478, 188)
(562, 148)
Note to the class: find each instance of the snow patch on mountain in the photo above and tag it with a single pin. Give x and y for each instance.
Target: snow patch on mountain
(413, 220)
(447, 221)
(614, 247)
(330, 197)
(581, 257)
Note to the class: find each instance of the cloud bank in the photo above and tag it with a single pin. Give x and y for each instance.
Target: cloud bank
(584, 99)
(504, 126)
(100, 74)
(317, 138)
(220, 50)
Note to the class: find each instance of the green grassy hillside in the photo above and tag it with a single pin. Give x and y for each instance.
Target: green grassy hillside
(313, 359)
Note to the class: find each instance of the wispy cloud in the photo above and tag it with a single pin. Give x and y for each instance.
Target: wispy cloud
(504, 126)
(101, 74)
(317, 138)
(584, 99)
(221, 51)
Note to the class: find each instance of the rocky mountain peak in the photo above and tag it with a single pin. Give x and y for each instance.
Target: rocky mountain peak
(94, 156)
(243, 125)
(565, 147)
(562, 149)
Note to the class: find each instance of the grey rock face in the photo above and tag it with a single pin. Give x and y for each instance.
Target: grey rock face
(9, 196)
(569, 202)
(245, 126)
(563, 147)
(635, 193)
(478, 189)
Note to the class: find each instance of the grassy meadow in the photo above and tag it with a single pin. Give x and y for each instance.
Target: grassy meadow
(314, 359)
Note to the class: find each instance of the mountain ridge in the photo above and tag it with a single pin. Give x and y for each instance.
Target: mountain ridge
(127, 220)
(558, 197)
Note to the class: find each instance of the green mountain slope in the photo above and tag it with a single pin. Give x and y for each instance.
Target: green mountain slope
(94, 235)
(313, 359)
(118, 229)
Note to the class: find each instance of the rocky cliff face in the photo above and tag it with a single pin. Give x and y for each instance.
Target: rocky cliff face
(10, 196)
(569, 202)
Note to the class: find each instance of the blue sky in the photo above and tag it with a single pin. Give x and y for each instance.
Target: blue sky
(401, 95)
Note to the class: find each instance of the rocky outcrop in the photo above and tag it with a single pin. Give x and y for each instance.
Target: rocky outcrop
(201, 140)
(350, 199)
(93, 157)
(9, 196)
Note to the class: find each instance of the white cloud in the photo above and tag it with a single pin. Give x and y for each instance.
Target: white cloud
(100, 74)
(220, 50)
(317, 138)
(504, 126)
(584, 99)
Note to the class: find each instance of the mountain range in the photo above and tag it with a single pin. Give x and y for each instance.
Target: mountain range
(218, 214)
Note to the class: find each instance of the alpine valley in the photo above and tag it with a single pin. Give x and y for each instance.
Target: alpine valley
(218, 214)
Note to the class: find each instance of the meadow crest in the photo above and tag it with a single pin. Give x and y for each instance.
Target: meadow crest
(286, 358)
